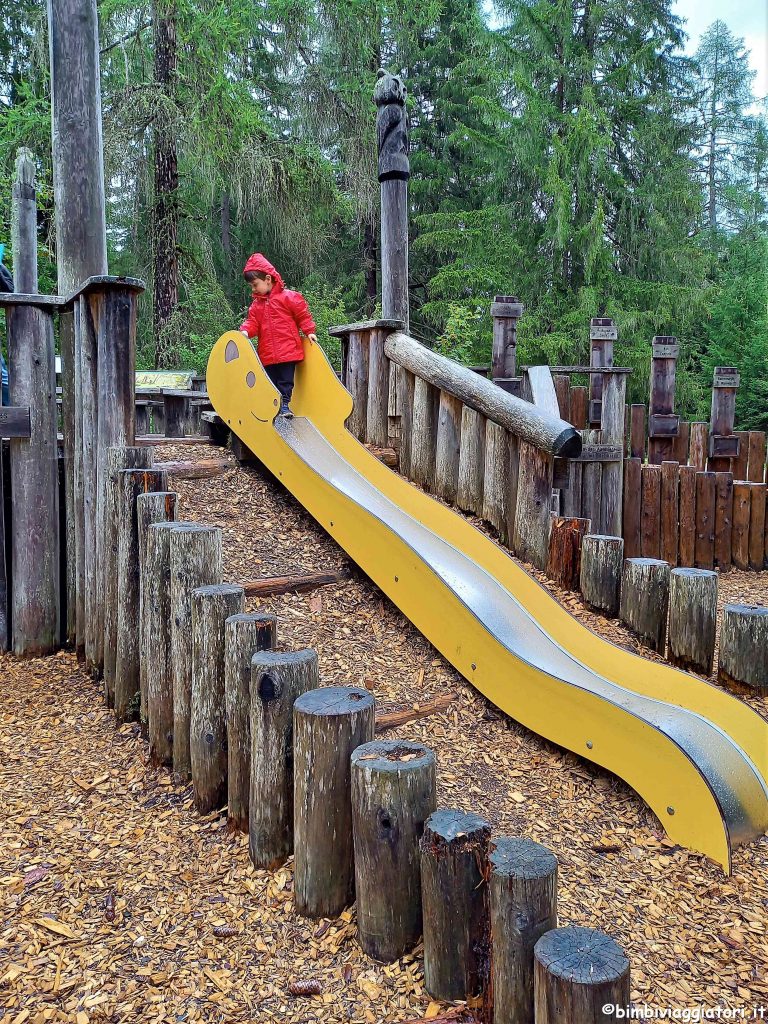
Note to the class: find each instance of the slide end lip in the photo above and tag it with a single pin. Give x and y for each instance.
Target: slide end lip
(568, 444)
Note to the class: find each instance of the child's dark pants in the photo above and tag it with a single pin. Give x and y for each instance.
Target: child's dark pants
(281, 375)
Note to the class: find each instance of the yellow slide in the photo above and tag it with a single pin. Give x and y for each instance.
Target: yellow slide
(697, 756)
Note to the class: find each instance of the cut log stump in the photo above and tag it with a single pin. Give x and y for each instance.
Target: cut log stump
(692, 619)
(211, 607)
(600, 580)
(277, 679)
(644, 600)
(523, 906)
(743, 661)
(578, 972)
(244, 635)
(328, 724)
(565, 544)
(393, 794)
(454, 856)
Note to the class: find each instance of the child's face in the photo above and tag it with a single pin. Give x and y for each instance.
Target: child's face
(259, 287)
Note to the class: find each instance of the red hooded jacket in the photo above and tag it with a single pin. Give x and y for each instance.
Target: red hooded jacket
(276, 318)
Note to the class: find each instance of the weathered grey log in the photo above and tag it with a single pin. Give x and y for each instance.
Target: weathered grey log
(580, 976)
(448, 446)
(454, 857)
(469, 492)
(542, 430)
(406, 387)
(522, 886)
(692, 619)
(86, 334)
(394, 171)
(393, 794)
(378, 390)
(277, 679)
(78, 491)
(156, 507)
(506, 310)
(157, 643)
(532, 514)
(195, 562)
(357, 382)
(34, 525)
(424, 433)
(612, 429)
(644, 600)
(131, 483)
(211, 607)
(328, 724)
(591, 486)
(244, 635)
(67, 348)
(496, 479)
(602, 559)
(743, 660)
(118, 459)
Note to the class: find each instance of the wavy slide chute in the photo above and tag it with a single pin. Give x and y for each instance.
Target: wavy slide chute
(697, 755)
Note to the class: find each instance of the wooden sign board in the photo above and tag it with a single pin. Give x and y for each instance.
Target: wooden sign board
(663, 424)
(157, 379)
(665, 350)
(724, 446)
(603, 333)
(600, 453)
(725, 377)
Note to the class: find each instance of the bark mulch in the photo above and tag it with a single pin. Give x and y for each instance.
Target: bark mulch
(119, 903)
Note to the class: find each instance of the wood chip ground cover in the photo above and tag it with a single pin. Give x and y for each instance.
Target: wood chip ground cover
(119, 903)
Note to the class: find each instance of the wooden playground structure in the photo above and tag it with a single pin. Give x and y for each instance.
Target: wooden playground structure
(634, 507)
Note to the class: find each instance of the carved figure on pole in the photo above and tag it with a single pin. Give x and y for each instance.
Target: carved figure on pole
(394, 171)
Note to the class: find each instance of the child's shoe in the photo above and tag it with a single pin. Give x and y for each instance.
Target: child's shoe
(285, 410)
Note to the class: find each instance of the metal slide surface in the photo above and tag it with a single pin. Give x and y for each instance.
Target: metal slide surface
(697, 755)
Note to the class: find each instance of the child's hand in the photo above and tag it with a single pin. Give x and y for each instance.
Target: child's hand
(245, 333)
(312, 338)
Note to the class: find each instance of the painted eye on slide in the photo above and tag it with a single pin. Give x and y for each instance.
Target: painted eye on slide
(250, 378)
(231, 352)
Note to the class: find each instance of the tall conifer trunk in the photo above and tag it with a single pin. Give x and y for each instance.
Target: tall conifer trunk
(165, 220)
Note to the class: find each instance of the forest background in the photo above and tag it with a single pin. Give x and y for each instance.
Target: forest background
(564, 151)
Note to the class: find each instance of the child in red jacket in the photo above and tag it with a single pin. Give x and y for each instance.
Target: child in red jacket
(276, 316)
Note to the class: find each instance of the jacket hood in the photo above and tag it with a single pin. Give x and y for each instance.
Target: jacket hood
(260, 262)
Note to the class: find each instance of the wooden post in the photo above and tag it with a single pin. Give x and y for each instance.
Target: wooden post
(699, 446)
(131, 483)
(756, 464)
(195, 562)
(742, 506)
(705, 521)
(602, 336)
(156, 652)
(632, 507)
(692, 619)
(211, 607)
(118, 459)
(723, 520)
(155, 507)
(637, 432)
(723, 443)
(470, 486)
(681, 444)
(34, 527)
(670, 526)
(244, 635)
(757, 526)
(377, 411)
(357, 382)
(506, 310)
(496, 479)
(663, 424)
(600, 581)
(67, 348)
(394, 171)
(612, 400)
(86, 337)
(579, 407)
(328, 724)
(741, 462)
(277, 679)
(582, 970)
(454, 858)
(405, 383)
(562, 384)
(565, 543)
(687, 512)
(424, 433)
(591, 483)
(743, 661)
(393, 794)
(644, 600)
(448, 446)
(522, 887)
(650, 512)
